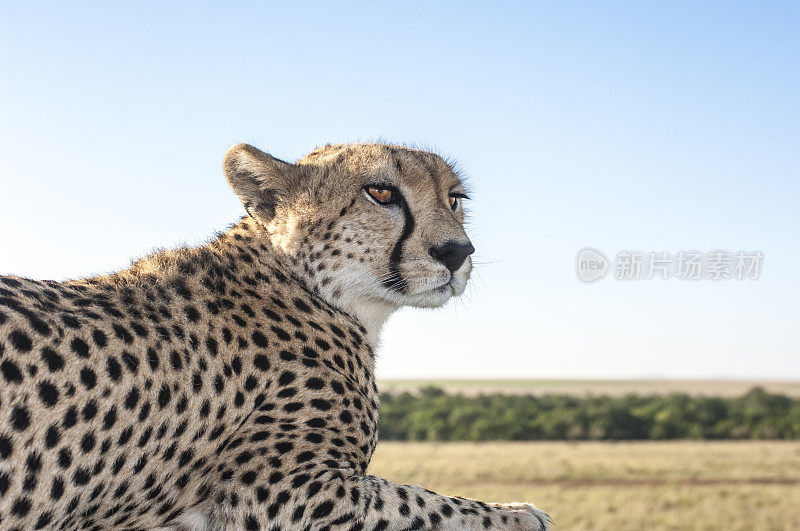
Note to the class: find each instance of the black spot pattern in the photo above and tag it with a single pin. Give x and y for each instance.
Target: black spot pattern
(216, 377)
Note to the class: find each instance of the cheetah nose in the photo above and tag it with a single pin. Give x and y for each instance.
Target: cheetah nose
(452, 253)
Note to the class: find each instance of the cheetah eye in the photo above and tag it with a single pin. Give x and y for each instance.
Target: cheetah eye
(380, 194)
(455, 199)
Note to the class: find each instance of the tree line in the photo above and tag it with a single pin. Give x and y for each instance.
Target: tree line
(434, 415)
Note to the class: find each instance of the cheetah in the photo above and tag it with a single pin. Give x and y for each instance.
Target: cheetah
(232, 385)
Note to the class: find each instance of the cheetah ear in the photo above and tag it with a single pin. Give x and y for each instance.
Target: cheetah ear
(260, 180)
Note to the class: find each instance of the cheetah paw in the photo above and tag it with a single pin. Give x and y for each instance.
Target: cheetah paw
(532, 518)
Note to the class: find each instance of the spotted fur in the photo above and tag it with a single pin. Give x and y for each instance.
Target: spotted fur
(232, 386)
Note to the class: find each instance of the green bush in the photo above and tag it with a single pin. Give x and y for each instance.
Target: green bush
(433, 415)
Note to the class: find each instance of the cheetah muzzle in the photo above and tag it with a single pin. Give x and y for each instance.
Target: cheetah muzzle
(231, 386)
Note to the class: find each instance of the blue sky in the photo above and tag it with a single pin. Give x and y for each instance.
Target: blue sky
(653, 127)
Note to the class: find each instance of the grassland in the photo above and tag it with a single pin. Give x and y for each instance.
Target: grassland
(724, 388)
(629, 485)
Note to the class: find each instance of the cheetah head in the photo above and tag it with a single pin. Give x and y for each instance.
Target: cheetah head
(370, 227)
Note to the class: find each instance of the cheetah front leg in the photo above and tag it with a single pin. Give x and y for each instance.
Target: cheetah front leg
(340, 499)
(393, 506)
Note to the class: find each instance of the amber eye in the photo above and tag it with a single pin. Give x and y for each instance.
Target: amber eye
(455, 200)
(381, 195)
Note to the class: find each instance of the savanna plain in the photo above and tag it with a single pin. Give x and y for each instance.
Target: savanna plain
(612, 485)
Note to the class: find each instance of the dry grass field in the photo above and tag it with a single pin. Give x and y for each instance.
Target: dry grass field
(628, 485)
(724, 388)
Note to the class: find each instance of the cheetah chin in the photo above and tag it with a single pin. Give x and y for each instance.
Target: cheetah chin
(232, 385)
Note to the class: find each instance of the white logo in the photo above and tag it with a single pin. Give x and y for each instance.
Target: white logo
(591, 265)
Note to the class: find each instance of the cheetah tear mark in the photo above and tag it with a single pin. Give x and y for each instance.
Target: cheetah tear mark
(395, 280)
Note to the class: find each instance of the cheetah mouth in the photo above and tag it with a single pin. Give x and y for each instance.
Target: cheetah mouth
(438, 289)
(447, 286)
(436, 284)
(434, 297)
(433, 291)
